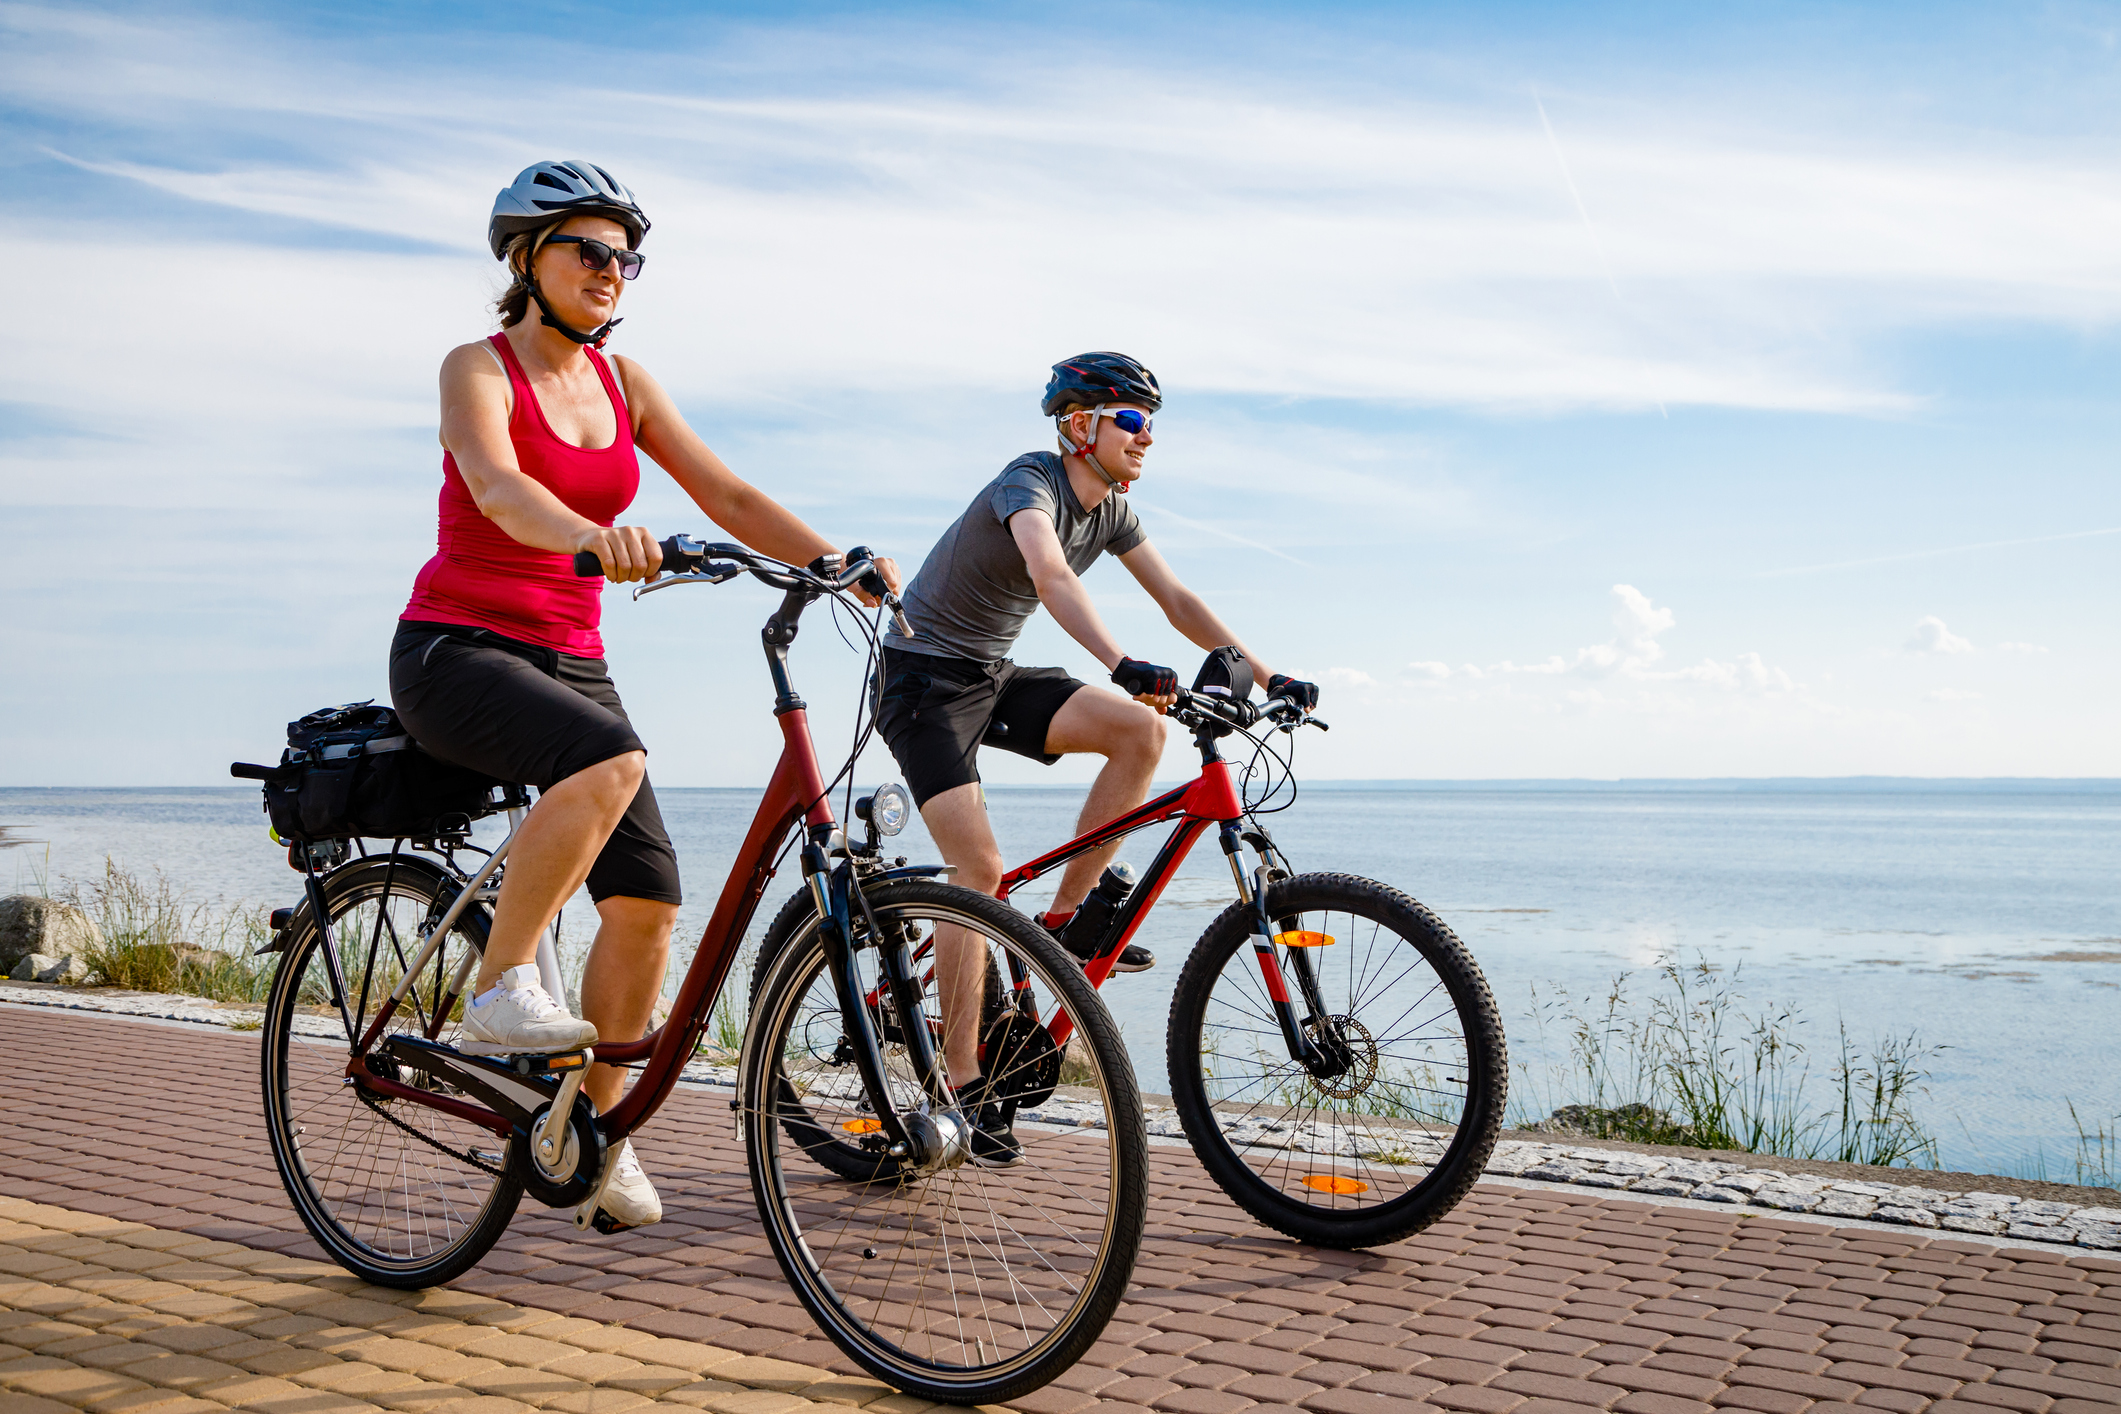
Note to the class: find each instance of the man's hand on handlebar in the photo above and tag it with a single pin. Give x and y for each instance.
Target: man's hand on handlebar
(625, 552)
(1147, 682)
(1294, 691)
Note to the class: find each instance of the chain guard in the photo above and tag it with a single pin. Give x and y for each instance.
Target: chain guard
(1029, 1061)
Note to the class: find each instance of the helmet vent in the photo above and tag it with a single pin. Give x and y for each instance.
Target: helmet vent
(547, 179)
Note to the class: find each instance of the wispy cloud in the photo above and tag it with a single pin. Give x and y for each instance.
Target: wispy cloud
(1931, 636)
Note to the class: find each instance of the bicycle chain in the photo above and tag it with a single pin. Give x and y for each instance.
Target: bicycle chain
(373, 1103)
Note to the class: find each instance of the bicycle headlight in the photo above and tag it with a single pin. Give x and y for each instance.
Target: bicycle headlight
(889, 809)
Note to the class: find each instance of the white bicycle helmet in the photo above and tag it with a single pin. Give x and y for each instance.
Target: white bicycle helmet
(545, 191)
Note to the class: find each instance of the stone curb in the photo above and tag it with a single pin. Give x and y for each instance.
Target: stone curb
(101, 1314)
(1974, 1213)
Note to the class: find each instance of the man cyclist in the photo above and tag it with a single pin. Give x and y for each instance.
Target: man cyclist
(950, 687)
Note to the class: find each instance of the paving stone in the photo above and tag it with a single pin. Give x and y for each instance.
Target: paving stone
(1544, 1300)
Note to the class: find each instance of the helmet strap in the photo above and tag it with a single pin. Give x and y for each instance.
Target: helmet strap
(594, 338)
(1087, 451)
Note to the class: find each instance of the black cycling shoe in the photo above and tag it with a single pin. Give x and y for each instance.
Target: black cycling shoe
(994, 1141)
(1132, 958)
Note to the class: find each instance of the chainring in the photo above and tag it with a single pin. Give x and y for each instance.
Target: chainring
(1028, 1061)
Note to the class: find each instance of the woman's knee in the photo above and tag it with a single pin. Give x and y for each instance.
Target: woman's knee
(612, 783)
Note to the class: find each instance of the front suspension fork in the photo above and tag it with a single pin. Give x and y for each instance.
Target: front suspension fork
(838, 897)
(1252, 890)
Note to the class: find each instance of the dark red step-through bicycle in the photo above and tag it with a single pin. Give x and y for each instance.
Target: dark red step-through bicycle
(406, 1158)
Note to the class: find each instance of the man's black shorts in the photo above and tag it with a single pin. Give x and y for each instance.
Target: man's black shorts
(937, 712)
(524, 713)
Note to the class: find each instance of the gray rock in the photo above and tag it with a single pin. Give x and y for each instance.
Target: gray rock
(41, 967)
(1557, 1170)
(1748, 1181)
(1971, 1222)
(1513, 1159)
(2040, 1232)
(1663, 1187)
(1630, 1165)
(1788, 1200)
(29, 924)
(2105, 1237)
(2098, 1215)
(1603, 1180)
(1714, 1194)
(1846, 1205)
(1694, 1171)
(1906, 1217)
(2029, 1210)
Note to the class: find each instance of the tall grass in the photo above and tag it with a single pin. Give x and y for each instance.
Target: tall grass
(1691, 1065)
(157, 939)
(2098, 1151)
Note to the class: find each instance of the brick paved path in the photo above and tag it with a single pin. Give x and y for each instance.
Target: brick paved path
(1540, 1302)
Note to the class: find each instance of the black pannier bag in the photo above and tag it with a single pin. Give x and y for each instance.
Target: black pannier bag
(354, 770)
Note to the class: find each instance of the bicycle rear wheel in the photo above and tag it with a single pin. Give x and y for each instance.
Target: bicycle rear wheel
(398, 1193)
(1398, 1129)
(964, 1284)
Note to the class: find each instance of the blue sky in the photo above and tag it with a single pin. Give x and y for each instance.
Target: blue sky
(1577, 391)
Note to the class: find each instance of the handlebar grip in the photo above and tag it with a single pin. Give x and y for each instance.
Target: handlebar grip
(587, 565)
(245, 771)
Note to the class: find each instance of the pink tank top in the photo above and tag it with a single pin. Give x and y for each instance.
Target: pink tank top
(482, 577)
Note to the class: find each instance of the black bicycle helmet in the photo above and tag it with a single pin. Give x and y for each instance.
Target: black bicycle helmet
(1094, 378)
(547, 191)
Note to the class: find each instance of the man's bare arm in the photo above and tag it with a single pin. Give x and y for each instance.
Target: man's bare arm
(1187, 611)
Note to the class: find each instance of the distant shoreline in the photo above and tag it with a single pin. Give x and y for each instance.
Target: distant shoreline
(1765, 785)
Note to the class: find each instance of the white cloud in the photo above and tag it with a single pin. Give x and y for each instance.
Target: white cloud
(1430, 671)
(1350, 677)
(1931, 636)
(1951, 694)
(2026, 648)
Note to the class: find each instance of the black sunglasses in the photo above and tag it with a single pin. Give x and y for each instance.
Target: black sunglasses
(596, 255)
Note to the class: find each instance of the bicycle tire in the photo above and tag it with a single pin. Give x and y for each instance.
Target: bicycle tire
(849, 1160)
(436, 1216)
(1307, 1161)
(1060, 1230)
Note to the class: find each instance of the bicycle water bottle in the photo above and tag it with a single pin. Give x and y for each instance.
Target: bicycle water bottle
(1085, 933)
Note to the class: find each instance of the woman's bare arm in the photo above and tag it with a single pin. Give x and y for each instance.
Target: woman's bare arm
(732, 503)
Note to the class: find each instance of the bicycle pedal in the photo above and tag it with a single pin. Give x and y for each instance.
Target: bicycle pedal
(549, 1065)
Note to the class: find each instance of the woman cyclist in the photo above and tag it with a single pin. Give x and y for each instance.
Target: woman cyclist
(497, 664)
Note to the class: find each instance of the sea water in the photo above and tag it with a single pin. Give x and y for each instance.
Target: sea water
(1985, 917)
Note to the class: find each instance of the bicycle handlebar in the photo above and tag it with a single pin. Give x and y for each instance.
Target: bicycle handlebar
(1194, 707)
(689, 561)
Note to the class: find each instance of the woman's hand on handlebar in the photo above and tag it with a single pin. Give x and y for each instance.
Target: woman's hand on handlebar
(889, 570)
(627, 552)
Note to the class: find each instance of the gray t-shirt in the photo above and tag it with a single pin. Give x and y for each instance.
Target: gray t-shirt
(974, 592)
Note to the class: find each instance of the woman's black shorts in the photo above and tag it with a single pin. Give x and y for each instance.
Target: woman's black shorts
(937, 712)
(528, 714)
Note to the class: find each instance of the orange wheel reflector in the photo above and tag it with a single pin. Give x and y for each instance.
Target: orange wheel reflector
(1304, 940)
(1330, 1183)
(863, 1126)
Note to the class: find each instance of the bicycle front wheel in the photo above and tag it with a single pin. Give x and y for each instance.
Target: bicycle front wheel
(400, 1194)
(963, 1284)
(1395, 1124)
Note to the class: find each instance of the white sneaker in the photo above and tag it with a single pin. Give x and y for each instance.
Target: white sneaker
(520, 1018)
(629, 1199)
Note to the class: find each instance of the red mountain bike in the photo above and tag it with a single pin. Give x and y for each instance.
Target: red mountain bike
(406, 1158)
(1335, 1055)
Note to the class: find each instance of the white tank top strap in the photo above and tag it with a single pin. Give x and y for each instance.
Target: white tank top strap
(508, 386)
